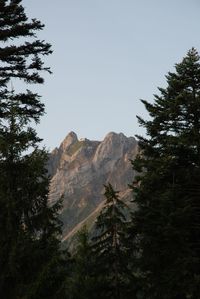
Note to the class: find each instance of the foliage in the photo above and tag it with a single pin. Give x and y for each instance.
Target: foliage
(110, 248)
(80, 284)
(30, 258)
(166, 223)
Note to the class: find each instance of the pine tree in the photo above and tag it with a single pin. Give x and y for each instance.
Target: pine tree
(166, 223)
(80, 284)
(30, 258)
(110, 248)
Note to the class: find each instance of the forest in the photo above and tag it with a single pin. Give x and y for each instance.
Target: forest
(154, 252)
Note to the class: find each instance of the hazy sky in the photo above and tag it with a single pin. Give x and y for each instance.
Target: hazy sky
(107, 55)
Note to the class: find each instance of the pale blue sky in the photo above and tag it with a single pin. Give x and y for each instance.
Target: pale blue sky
(107, 55)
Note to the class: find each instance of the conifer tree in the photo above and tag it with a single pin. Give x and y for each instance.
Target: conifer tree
(166, 223)
(30, 258)
(110, 248)
(80, 283)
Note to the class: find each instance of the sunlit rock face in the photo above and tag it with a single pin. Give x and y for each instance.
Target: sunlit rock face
(80, 169)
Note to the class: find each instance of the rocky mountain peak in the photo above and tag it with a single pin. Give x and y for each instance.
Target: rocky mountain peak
(112, 148)
(80, 168)
(69, 140)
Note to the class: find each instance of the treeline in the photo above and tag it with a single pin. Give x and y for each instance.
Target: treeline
(154, 253)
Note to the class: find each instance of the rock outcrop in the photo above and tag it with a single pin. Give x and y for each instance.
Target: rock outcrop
(79, 170)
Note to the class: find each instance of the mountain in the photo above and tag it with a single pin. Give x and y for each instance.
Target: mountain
(79, 170)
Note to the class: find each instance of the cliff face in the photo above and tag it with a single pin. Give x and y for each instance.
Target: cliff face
(80, 168)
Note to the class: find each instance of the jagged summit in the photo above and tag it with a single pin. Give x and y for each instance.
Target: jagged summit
(70, 139)
(71, 134)
(114, 134)
(80, 168)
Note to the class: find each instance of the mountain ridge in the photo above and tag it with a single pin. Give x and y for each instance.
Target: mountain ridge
(80, 168)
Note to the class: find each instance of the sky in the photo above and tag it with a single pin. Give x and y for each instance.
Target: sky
(107, 55)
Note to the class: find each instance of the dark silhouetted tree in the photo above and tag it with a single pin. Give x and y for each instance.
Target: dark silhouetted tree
(166, 223)
(110, 248)
(81, 281)
(30, 258)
